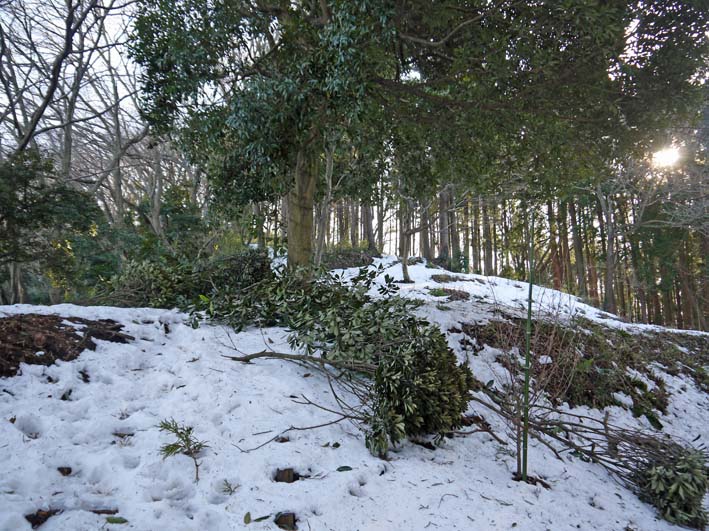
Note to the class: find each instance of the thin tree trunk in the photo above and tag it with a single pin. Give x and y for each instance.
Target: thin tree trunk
(565, 251)
(354, 223)
(476, 236)
(156, 195)
(606, 214)
(578, 252)
(444, 225)
(688, 298)
(380, 224)
(325, 206)
(259, 221)
(426, 250)
(454, 234)
(341, 225)
(404, 240)
(466, 235)
(487, 241)
(553, 248)
(369, 228)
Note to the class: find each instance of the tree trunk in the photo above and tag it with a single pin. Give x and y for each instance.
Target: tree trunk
(284, 219)
(354, 223)
(606, 209)
(704, 281)
(553, 248)
(476, 236)
(688, 299)
(454, 235)
(466, 235)
(300, 210)
(17, 291)
(426, 250)
(341, 225)
(156, 194)
(487, 241)
(367, 214)
(404, 240)
(380, 224)
(578, 252)
(325, 206)
(259, 222)
(444, 225)
(637, 283)
(565, 251)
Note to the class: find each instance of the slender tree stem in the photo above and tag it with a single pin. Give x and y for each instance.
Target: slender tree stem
(528, 336)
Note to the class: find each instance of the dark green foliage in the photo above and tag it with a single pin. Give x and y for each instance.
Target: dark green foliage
(438, 292)
(37, 213)
(182, 283)
(342, 258)
(417, 386)
(677, 488)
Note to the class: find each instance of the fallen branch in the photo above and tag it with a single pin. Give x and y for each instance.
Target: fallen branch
(302, 358)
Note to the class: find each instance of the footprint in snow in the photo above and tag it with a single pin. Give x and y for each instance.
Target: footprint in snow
(31, 425)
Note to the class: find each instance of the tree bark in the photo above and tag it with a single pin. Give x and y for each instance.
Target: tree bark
(466, 235)
(476, 236)
(487, 241)
(565, 251)
(367, 214)
(444, 225)
(426, 250)
(553, 248)
(578, 252)
(300, 210)
(354, 223)
(404, 240)
(325, 207)
(454, 234)
(606, 207)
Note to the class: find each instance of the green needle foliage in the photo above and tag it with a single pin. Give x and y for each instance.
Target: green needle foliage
(186, 442)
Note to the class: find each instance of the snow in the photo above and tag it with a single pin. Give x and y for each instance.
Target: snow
(107, 433)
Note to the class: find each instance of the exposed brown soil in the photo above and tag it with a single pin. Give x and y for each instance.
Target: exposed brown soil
(455, 294)
(23, 337)
(442, 279)
(37, 518)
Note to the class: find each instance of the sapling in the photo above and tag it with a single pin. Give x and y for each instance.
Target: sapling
(528, 336)
(185, 444)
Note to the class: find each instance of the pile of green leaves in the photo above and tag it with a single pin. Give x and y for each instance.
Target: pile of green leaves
(170, 282)
(416, 387)
(678, 488)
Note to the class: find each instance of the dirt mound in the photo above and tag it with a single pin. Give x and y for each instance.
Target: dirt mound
(43, 339)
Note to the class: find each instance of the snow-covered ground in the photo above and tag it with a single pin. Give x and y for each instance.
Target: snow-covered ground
(107, 433)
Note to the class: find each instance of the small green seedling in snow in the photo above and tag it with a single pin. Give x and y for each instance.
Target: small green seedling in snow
(185, 444)
(228, 487)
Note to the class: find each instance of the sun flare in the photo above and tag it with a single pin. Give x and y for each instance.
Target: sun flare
(665, 157)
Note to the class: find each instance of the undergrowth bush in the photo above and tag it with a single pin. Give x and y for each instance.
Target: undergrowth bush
(180, 282)
(344, 257)
(678, 488)
(608, 362)
(417, 386)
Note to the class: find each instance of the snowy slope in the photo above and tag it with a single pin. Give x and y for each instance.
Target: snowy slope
(107, 433)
